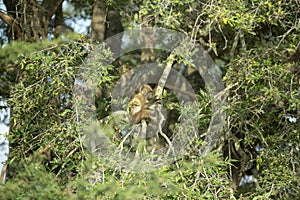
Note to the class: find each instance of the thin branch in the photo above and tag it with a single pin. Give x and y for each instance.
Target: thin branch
(234, 45)
(164, 76)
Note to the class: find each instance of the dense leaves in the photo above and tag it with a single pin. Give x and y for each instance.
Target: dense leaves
(42, 98)
(251, 41)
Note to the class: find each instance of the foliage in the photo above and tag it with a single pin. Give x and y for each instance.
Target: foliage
(33, 182)
(260, 102)
(94, 181)
(42, 98)
(251, 39)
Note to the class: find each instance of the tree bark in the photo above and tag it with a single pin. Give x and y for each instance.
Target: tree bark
(147, 39)
(106, 22)
(98, 20)
(58, 22)
(14, 30)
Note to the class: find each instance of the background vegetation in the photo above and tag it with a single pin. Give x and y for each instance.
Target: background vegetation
(256, 44)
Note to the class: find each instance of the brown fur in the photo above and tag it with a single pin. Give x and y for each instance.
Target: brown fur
(140, 104)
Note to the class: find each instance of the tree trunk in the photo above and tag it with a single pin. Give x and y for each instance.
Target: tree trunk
(58, 22)
(106, 22)
(147, 41)
(98, 20)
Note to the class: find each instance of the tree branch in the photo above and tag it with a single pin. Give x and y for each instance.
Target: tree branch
(9, 20)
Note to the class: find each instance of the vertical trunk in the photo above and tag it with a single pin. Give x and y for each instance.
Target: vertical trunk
(58, 22)
(98, 20)
(106, 22)
(114, 26)
(235, 171)
(147, 39)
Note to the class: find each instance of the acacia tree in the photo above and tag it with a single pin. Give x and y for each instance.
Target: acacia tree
(255, 42)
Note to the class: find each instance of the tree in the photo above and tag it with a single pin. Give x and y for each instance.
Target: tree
(256, 44)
